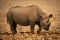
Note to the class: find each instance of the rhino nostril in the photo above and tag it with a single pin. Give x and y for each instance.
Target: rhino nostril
(46, 28)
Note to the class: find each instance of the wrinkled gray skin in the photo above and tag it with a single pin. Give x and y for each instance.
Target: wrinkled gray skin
(28, 15)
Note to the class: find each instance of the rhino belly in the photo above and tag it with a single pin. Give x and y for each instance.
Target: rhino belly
(21, 20)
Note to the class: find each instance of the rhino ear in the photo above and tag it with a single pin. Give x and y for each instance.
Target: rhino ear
(50, 16)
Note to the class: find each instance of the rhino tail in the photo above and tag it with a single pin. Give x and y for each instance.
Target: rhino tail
(9, 17)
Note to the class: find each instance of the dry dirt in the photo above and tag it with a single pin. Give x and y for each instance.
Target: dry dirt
(48, 6)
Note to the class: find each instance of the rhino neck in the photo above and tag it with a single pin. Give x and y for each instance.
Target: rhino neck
(41, 13)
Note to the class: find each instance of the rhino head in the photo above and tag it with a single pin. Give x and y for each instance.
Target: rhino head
(45, 22)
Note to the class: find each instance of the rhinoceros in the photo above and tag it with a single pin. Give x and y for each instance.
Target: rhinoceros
(28, 15)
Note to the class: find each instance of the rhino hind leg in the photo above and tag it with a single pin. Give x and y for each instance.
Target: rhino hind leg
(13, 28)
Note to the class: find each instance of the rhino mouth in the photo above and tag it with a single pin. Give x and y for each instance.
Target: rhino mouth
(47, 27)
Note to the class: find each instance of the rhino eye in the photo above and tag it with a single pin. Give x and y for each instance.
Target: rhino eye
(47, 21)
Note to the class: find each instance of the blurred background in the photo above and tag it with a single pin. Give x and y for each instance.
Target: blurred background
(48, 6)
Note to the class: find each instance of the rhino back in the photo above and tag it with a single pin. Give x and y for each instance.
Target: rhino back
(22, 15)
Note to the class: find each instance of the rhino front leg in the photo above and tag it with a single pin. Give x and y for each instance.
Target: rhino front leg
(39, 28)
(32, 25)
